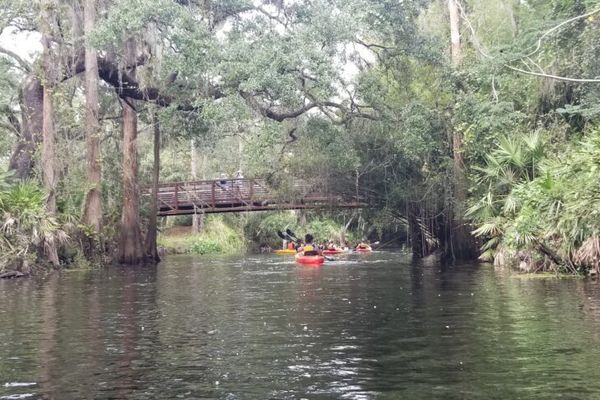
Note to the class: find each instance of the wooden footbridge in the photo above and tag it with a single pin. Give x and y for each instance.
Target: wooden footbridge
(238, 195)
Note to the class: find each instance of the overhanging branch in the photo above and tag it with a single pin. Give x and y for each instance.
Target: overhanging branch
(281, 116)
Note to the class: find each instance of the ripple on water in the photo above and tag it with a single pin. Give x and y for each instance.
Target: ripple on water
(18, 396)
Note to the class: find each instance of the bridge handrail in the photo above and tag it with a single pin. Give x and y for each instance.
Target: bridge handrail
(207, 182)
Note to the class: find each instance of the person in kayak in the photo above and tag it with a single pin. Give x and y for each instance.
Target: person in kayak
(363, 246)
(309, 248)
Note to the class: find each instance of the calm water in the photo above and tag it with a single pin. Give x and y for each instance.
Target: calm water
(369, 327)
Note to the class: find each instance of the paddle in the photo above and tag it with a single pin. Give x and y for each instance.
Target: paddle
(281, 235)
(292, 236)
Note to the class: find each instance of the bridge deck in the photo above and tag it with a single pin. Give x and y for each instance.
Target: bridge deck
(235, 195)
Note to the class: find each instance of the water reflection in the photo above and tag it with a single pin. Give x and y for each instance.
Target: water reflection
(263, 327)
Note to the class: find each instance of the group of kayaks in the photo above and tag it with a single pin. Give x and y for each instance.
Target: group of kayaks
(313, 260)
(319, 259)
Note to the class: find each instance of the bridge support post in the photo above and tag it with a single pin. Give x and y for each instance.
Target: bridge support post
(212, 194)
(177, 197)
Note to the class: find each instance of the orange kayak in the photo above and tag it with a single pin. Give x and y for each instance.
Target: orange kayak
(364, 249)
(309, 260)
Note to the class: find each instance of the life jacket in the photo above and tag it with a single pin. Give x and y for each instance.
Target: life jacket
(309, 247)
(291, 246)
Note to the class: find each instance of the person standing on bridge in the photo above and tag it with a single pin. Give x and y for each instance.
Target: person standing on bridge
(222, 181)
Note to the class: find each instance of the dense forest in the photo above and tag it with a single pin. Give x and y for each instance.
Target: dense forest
(472, 125)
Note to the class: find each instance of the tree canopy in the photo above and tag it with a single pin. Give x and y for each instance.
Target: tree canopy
(448, 114)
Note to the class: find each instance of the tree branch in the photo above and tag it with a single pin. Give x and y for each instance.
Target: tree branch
(484, 53)
(9, 127)
(21, 63)
(557, 27)
(127, 86)
(272, 17)
(281, 116)
(556, 77)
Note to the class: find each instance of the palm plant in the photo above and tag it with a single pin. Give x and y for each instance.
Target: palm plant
(515, 161)
(25, 225)
(552, 209)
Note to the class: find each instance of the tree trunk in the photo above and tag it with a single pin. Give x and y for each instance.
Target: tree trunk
(130, 247)
(460, 244)
(508, 5)
(455, 31)
(48, 155)
(151, 234)
(417, 243)
(92, 210)
(197, 219)
(32, 119)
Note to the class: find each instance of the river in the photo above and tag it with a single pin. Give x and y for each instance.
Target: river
(374, 326)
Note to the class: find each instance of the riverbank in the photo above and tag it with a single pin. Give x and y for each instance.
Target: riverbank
(215, 238)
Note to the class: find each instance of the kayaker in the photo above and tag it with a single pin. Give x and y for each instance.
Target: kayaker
(310, 249)
(363, 246)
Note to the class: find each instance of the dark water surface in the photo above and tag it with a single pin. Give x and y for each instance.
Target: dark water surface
(370, 327)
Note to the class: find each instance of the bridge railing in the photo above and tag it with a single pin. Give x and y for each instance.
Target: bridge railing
(238, 194)
(210, 193)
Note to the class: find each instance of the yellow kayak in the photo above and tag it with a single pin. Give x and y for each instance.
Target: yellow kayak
(285, 252)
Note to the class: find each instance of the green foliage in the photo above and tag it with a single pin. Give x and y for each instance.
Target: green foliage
(323, 225)
(515, 161)
(25, 224)
(206, 246)
(262, 229)
(556, 207)
(217, 237)
(326, 229)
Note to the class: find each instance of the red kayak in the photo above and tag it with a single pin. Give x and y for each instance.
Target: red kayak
(363, 249)
(333, 251)
(309, 260)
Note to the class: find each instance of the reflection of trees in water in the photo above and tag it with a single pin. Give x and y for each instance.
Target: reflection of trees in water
(91, 341)
(278, 331)
(125, 377)
(588, 293)
(350, 312)
(204, 312)
(511, 333)
(50, 336)
(20, 316)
